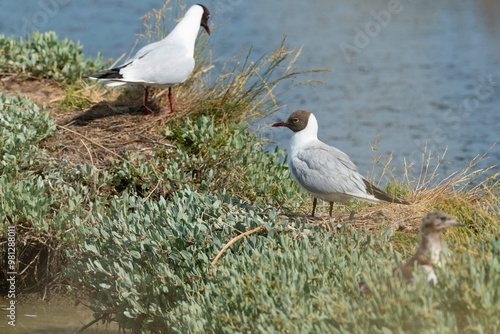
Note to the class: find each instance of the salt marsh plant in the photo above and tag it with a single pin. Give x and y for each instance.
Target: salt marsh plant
(22, 125)
(140, 232)
(151, 269)
(43, 55)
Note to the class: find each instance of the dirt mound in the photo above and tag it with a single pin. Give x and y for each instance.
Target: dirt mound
(39, 91)
(98, 134)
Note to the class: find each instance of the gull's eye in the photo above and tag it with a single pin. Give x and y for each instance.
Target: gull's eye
(295, 120)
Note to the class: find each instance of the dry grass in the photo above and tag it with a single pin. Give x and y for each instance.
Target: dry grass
(471, 195)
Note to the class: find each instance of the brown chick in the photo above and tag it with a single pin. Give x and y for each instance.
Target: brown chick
(429, 248)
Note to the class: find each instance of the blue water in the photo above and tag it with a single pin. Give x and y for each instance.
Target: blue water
(411, 72)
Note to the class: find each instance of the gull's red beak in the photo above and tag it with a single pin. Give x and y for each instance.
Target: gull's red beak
(278, 124)
(207, 29)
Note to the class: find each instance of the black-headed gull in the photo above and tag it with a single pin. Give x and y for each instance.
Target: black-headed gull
(324, 171)
(165, 63)
(429, 246)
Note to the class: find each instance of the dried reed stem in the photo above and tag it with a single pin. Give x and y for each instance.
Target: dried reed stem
(232, 242)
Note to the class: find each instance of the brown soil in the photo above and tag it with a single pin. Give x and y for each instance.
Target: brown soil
(39, 91)
(105, 131)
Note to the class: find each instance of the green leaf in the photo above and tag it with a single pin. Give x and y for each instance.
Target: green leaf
(135, 254)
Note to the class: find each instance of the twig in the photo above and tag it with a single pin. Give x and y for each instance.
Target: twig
(151, 192)
(90, 140)
(144, 137)
(156, 142)
(90, 324)
(29, 264)
(92, 163)
(232, 242)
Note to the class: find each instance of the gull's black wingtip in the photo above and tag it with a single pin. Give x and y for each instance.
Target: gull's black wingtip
(401, 201)
(379, 194)
(114, 73)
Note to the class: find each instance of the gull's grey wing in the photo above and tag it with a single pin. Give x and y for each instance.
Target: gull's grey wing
(323, 169)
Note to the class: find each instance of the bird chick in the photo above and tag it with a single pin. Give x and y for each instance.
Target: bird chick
(429, 246)
(429, 249)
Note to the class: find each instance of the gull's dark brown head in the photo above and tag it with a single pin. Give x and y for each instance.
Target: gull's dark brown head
(437, 221)
(204, 18)
(296, 122)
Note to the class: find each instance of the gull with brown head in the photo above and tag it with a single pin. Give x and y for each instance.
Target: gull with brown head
(324, 171)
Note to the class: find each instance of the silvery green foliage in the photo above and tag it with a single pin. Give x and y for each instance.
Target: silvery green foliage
(141, 258)
(31, 190)
(22, 124)
(148, 264)
(211, 156)
(44, 55)
(312, 287)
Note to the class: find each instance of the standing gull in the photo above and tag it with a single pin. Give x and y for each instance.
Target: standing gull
(324, 171)
(165, 63)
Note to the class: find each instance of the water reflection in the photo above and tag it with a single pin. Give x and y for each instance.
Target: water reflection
(61, 316)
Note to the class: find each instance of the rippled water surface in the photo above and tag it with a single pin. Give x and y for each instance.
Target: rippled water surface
(411, 72)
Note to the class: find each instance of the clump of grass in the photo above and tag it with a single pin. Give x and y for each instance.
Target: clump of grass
(471, 194)
(74, 99)
(157, 23)
(246, 90)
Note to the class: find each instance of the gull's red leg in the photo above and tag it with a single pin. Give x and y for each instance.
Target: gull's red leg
(170, 99)
(146, 110)
(315, 201)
